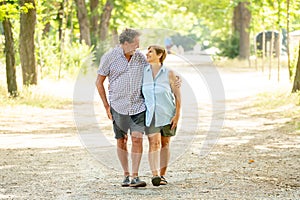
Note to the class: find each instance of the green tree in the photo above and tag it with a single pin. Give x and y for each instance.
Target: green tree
(218, 23)
(105, 18)
(94, 21)
(296, 85)
(83, 20)
(241, 24)
(27, 46)
(9, 10)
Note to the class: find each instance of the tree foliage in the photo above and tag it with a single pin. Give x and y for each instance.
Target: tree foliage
(58, 30)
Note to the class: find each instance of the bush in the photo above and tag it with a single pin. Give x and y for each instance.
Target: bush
(55, 63)
(229, 47)
(186, 41)
(101, 48)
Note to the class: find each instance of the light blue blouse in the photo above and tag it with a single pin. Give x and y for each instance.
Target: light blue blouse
(159, 99)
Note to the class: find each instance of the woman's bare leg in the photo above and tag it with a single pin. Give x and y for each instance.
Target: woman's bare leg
(164, 154)
(153, 156)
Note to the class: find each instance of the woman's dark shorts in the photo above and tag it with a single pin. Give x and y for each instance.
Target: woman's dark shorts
(163, 130)
(121, 123)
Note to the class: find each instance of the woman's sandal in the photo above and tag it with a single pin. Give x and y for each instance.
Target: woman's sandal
(163, 181)
(156, 180)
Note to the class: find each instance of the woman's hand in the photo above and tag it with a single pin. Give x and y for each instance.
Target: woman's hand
(174, 122)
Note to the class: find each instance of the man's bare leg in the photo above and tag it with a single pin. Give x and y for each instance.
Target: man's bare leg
(123, 154)
(136, 151)
(136, 156)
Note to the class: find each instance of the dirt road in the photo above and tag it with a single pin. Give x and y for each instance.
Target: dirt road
(52, 154)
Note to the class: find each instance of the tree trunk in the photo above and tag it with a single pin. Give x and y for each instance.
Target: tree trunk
(27, 56)
(115, 37)
(94, 21)
(241, 22)
(271, 47)
(296, 86)
(83, 22)
(105, 17)
(288, 37)
(263, 50)
(10, 59)
(279, 55)
(60, 17)
(46, 29)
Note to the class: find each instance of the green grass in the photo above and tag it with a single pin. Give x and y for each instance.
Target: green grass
(250, 64)
(30, 97)
(279, 105)
(273, 100)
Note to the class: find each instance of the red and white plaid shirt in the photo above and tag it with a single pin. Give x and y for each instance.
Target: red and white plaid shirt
(125, 80)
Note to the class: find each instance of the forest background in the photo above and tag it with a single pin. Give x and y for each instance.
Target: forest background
(47, 46)
(58, 38)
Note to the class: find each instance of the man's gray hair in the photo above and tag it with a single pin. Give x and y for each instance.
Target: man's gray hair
(128, 35)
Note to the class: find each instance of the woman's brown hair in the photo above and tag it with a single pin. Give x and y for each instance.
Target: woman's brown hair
(159, 50)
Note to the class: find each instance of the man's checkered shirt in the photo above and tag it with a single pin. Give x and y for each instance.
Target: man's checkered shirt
(125, 80)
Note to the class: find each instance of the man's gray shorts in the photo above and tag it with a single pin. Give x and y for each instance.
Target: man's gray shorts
(121, 123)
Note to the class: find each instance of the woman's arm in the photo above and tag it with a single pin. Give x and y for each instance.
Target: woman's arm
(177, 94)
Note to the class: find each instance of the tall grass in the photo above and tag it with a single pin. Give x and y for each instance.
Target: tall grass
(31, 97)
(53, 62)
(258, 63)
(273, 100)
(280, 105)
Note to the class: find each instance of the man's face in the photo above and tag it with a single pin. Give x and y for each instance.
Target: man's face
(131, 47)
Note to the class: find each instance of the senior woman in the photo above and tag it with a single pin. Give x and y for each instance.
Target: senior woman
(163, 104)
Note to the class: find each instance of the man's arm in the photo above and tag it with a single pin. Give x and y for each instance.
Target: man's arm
(101, 90)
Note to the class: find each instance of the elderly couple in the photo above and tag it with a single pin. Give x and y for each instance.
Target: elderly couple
(144, 96)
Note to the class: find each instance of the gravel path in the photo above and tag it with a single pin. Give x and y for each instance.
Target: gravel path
(256, 155)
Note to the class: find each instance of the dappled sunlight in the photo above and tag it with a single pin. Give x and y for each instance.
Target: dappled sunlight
(238, 136)
(62, 88)
(232, 141)
(44, 141)
(196, 95)
(27, 119)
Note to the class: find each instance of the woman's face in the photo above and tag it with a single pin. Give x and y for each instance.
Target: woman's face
(152, 56)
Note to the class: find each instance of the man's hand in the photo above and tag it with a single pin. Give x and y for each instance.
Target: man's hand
(101, 90)
(109, 115)
(178, 81)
